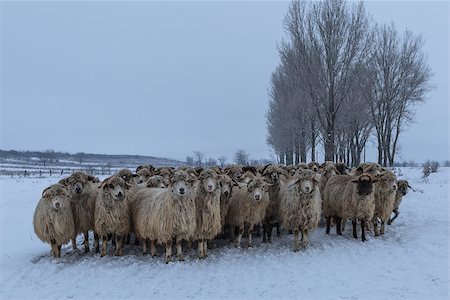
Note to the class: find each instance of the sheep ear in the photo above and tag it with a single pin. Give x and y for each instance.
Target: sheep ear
(355, 180)
(63, 181)
(411, 188)
(44, 192)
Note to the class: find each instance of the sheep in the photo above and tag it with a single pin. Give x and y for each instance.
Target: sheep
(112, 214)
(157, 181)
(248, 205)
(227, 185)
(165, 172)
(148, 167)
(84, 190)
(314, 166)
(402, 190)
(385, 192)
(328, 171)
(371, 168)
(126, 175)
(143, 175)
(301, 206)
(207, 201)
(342, 168)
(53, 219)
(349, 197)
(275, 175)
(234, 171)
(161, 214)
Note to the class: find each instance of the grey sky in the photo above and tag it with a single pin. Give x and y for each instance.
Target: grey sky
(166, 79)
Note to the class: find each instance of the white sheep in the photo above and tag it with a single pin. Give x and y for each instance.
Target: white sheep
(161, 214)
(248, 206)
(385, 192)
(207, 200)
(300, 206)
(53, 219)
(112, 214)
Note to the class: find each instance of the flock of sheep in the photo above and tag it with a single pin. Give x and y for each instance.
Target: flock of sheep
(166, 205)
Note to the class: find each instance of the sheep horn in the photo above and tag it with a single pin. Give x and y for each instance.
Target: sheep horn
(411, 188)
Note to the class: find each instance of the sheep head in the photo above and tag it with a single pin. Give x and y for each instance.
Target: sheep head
(258, 188)
(306, 181)
(115, 186)
(403, 186)
(78, 182)
(364, 184)
(157, 181)
(56, 196)
(209, 180)
(181, 184)
(387, 181)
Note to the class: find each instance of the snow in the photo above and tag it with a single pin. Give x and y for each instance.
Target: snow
(409, 262)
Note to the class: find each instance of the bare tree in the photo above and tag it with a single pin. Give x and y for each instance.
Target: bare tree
(330, 42)
(190, 160)
(401, 79)
(198, 156)
(241, 157)
(211, 162)
(80, 157)
(222, 160)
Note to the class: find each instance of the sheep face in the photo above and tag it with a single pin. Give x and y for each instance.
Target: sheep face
(387, 181)
(258, 188)
(402, 187)
(125, 174)
(181, 184)
(364, 184)
(116, 187)
(272, 174)
(234, 172)
(56, 196)
(143, 175)
(209, 180)
(78, 183)
(226, 186)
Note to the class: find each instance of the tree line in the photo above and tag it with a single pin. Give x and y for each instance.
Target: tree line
(342, 78)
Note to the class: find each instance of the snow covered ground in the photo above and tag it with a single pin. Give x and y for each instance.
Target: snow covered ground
(410, 262)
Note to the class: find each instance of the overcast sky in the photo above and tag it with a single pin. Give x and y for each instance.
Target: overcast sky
(165, 79)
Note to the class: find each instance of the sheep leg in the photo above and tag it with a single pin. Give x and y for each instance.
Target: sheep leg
(269, 233)
(144, 248)
(205, 248)
(104, 244)
(344, 222)
(363, 228)
(241, 232)
(296, 241)
(96, 243)
(250, 232)
(152, 246)
(74, 243)
(200, 249)
(338, 222)
(382, 227)
(265, 225)
(375, 228)
(136, 240)
(179, 250)
(55, 251)
(305, 240)
(86, 242)
(119, 241)
(396, 212)
(258, 230)
(355, 235)
(128, 239)
(168, 255)
(278, 229)
(328, 225)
